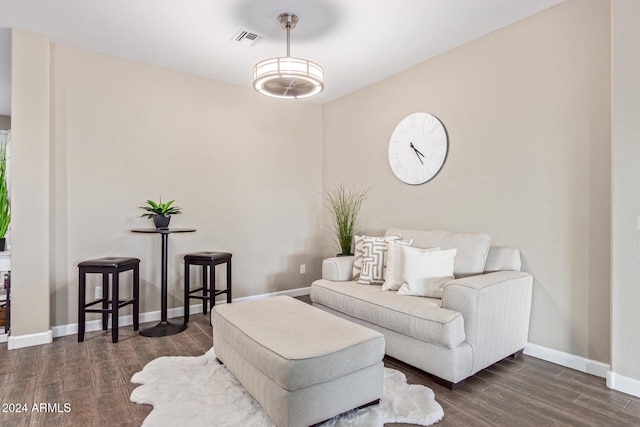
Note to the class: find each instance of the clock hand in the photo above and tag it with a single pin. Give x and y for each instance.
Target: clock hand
(418, 153)
(415, 149)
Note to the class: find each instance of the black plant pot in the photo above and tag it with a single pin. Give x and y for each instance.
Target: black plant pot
(161, 221)
(3, 244)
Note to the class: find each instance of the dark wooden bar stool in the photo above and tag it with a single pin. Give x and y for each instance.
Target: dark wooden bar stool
(208, 261)
(108, 266)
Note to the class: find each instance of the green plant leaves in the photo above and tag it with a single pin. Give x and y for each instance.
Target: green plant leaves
(159, 208)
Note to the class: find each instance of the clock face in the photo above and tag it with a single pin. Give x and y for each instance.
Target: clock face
(418, 148)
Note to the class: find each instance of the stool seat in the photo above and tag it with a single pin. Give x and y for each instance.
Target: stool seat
(208, 292)
(114, 262)
(108, 266)
(207, 256)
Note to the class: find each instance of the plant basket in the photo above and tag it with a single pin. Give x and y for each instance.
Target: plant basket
(3, 315)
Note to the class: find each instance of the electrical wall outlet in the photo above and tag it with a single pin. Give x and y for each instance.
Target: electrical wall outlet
(303, 268)
(98, 292)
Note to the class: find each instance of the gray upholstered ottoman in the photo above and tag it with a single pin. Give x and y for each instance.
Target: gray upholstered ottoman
(301, 364)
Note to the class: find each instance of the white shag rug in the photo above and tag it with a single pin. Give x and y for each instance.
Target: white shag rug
(199, 391)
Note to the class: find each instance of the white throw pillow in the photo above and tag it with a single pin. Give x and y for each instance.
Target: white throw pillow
(426, 271)
(393, 273)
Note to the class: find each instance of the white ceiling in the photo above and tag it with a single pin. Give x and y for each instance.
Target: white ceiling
(358, 42)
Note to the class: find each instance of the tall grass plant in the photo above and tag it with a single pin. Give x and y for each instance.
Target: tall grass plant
(344, 205)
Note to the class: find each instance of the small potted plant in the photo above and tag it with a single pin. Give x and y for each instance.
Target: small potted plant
(344, 204)
(160, 212)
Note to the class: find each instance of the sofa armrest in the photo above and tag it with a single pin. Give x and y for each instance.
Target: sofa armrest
(338, 269)
(496, 308)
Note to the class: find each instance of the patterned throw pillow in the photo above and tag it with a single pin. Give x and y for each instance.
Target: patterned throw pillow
(374, 258)
(357, 257)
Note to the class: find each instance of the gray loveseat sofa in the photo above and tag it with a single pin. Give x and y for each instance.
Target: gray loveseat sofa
(481, 318)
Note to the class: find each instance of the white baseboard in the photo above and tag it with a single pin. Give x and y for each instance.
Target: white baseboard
(603, 370)
(624, 384)
(568, 360)
(96, 325)
(20, 341)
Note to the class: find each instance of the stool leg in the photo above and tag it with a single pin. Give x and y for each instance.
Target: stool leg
(229, 281)
(81, 303)
(187, 280)
(105, 300)
(136, 296)
(115, 305)
(212, 293)
(205, 288)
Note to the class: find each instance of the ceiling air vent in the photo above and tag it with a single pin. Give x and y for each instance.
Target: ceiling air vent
(247, 38)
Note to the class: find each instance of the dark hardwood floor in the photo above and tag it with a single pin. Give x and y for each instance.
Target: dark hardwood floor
(93, 379)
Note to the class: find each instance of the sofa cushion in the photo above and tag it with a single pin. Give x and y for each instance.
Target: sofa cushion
(426, 271)
(472, 248)
(501, 258)
(420, 318)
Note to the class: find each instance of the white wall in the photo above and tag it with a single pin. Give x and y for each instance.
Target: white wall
(625, 253)
(527, 113)
(244, 168)
(30, 177)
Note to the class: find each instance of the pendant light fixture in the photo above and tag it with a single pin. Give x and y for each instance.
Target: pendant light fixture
(288, 77)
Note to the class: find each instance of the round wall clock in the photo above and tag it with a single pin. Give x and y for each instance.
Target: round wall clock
(418, 148)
